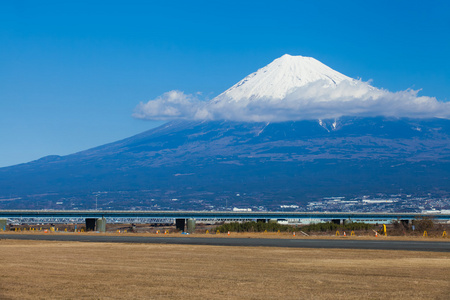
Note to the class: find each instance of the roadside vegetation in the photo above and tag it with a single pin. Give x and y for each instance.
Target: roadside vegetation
(420, 227)
(329, 226)
(254, 227)
(423, 226)
(275, 227)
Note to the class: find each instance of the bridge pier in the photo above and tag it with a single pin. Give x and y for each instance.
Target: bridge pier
(101, 225)
(190, 225)
(94, 224)
(185, 225)
(3, 223)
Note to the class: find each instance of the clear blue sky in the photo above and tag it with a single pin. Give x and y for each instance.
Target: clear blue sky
(71, 72)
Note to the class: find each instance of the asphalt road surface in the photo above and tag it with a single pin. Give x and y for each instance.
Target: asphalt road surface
(246, 242)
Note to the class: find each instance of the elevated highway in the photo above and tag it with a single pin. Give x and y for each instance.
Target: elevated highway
(216, 215)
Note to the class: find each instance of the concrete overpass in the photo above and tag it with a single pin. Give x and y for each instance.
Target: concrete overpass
(92, 217)
(215, 215)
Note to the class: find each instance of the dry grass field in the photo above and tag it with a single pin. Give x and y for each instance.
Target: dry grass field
(75, 270)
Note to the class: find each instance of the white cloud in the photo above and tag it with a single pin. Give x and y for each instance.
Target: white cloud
(313, 101)
(168, 106)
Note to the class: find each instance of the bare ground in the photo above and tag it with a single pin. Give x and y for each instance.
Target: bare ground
(74, 270)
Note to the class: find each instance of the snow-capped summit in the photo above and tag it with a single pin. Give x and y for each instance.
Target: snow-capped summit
(293, 88)
(282, 75)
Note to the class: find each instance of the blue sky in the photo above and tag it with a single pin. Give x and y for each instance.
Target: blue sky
(72, 72)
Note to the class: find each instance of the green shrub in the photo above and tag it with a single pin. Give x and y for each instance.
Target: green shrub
(274, 227)
(329, 226)
(254, 227)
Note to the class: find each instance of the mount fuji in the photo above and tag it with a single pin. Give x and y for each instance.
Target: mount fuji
(212, 157)
(281, 76)
(294, 88)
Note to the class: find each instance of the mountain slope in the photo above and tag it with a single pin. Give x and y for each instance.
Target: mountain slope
(270, 163)
(204, 164)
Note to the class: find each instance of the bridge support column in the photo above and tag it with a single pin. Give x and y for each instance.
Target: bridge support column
(3, 223)
(179, 224)
(190, 226)
(101, 225)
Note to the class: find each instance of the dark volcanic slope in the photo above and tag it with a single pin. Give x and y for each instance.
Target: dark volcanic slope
(303, 159)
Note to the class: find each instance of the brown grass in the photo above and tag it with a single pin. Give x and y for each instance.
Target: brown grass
(74, 270)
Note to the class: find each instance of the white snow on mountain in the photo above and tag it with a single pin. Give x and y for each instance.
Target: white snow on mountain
(282, 76)
(293, 88)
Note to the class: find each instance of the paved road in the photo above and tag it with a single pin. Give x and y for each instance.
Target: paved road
(248, 242)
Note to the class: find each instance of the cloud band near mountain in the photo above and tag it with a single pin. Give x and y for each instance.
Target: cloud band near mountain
(312, 101)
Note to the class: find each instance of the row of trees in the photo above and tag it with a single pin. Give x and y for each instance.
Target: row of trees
(255, 227)
(275, 227)
(329, 226)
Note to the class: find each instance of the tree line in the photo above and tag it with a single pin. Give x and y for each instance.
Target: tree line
(275, 227)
